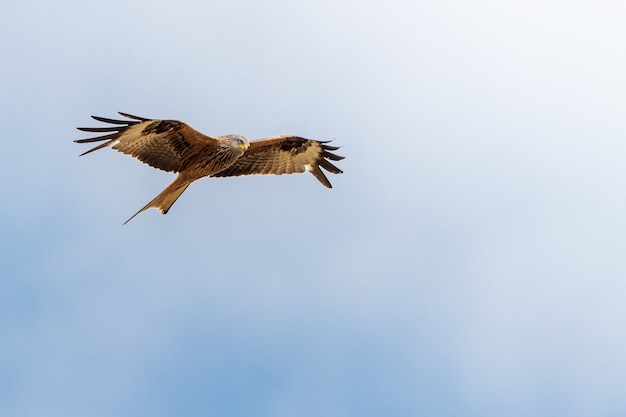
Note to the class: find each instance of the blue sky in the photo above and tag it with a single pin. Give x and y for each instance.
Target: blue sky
(469, 262)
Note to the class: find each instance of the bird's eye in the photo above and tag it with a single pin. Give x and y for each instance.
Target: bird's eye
(241, 141)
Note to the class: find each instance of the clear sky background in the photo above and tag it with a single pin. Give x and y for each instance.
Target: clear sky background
(469, 262)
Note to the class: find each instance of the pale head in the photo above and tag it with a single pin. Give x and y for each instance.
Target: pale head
(237, 143)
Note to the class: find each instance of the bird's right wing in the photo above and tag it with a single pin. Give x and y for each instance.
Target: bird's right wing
(162, 144)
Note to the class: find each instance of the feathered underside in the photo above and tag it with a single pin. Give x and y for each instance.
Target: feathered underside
(174, 146)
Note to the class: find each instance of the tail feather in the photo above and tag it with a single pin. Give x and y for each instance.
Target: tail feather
(166, 198)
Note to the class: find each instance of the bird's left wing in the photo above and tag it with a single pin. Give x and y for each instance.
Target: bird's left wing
(285, 155)
(162, 144)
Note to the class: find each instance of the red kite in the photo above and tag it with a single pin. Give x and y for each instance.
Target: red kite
(174, 146)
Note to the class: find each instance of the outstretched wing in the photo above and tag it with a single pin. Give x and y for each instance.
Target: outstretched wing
(162, 144)
(285, 155)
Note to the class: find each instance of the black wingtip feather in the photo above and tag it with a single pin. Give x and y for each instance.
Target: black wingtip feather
(130, 116)
(329, 167)
(112, 121)
(102, 145)
(100, 129)
(332, 156)
(317, 173)
(96, 139)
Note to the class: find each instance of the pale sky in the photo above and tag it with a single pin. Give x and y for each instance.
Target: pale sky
(469, 262)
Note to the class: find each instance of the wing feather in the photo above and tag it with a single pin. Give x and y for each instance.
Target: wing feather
(162, 144)
(285, 155)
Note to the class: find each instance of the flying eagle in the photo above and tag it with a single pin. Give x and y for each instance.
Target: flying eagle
(174, 146)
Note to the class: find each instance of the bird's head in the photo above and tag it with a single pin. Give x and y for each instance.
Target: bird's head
(237, 143)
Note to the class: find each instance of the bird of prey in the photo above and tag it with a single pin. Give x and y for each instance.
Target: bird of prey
(174, 146)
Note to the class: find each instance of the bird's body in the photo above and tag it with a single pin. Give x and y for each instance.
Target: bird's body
(174, 146)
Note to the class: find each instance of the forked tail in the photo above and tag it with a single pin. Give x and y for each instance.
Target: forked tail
(166, 198)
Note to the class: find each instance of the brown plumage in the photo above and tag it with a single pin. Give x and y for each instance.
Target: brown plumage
(174, 146)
